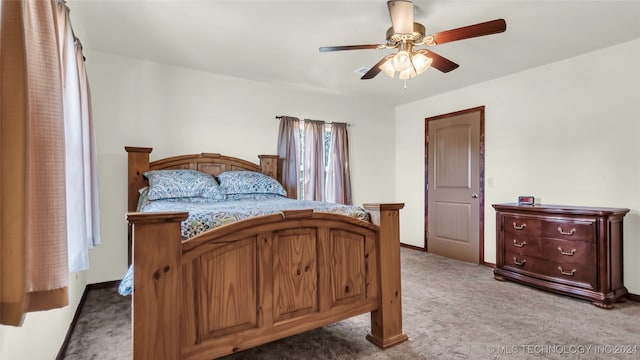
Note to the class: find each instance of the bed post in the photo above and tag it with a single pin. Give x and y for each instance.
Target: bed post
(269, 165)
(386, 321)
(138, 159)
(138, 165)
(156, 285)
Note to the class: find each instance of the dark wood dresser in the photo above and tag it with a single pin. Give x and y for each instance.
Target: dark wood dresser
(570, 250)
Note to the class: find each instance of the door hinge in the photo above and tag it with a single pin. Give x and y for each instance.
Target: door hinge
(427, 187)
(427, 138)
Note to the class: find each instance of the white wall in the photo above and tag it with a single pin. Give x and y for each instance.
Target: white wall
(42, 333)
(180, 111)
(566, 133)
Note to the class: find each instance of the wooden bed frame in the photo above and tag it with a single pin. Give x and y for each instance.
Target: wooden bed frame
(257, 280)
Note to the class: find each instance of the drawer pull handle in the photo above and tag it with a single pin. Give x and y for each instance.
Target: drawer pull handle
(519, 263)
(571, 273)
(570, 253)
(522, 244)
(573, 231)
(515, 226)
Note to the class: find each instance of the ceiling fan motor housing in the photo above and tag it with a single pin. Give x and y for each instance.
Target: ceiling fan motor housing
(417, 35)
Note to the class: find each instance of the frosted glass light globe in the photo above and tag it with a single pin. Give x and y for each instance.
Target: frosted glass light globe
(401, 60)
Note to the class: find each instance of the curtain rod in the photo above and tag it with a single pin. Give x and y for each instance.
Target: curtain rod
(326, 122)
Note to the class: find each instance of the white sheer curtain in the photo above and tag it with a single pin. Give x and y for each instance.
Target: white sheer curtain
(90, 158)
(83, 217)
(338, 188)
(289, 153)
(314, 162)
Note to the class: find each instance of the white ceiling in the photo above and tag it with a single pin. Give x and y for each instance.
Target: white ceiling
(277, 41)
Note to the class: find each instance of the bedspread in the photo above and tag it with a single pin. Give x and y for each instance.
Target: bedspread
(205, 215)
(208, 215)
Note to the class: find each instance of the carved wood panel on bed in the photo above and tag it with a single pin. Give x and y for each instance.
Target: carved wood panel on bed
(260, 279)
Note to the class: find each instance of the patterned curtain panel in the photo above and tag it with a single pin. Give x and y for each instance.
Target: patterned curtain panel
(289, 153)
(338, 177)
(33, 245)
(314, 171)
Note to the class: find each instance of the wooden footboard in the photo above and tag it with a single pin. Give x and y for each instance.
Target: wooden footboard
(262, 279)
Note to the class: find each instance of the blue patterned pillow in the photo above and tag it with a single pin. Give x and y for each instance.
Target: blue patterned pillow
(249, 182)
(170, 184)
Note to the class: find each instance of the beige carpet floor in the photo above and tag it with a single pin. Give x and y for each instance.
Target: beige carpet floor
(452, 310)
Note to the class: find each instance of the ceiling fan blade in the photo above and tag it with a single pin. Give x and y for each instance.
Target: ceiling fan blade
(401, 13)
(375, 69)
(439, 62)
(471, 31)
(348, 47)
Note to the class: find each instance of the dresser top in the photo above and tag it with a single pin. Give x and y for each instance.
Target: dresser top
(561, 209)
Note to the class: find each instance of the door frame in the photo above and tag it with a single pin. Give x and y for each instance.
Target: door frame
(481, 179)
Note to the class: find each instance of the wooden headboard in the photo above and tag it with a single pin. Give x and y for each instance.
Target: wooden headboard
(211, 163)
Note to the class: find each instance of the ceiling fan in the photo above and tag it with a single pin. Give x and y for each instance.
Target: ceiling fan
(406, 36)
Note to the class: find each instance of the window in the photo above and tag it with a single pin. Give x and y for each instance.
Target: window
(327, 144)
(315, 159)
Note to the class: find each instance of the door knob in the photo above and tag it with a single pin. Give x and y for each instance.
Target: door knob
(474, 195)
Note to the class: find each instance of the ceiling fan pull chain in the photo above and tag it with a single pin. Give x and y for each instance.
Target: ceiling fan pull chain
(405, 84)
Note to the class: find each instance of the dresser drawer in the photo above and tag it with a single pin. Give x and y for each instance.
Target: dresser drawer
(569, 251)
(569, 230)
(579, 275)
(523, 245)
(522, 226)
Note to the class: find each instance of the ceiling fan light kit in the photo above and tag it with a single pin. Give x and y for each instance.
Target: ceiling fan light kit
(405, 35)
(407, 63)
